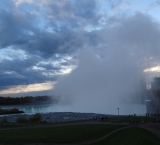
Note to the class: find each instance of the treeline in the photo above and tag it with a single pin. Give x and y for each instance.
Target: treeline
(27, 100)
(36, 118)
(11, 111)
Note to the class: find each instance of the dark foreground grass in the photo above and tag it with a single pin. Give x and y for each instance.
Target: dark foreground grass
(67, 134)
(140, 119)
(14, 125)
(131, 136)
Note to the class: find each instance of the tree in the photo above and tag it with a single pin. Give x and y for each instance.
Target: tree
(22, 119)
(4, 120)
(36, 118)
(14, 110)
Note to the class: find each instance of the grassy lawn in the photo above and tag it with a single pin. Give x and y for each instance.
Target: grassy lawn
(131, 136)
(15, 125)
(127, 119)
(69, 134)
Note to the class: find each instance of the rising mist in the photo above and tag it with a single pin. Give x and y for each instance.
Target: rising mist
(100, 85)
(110, 77)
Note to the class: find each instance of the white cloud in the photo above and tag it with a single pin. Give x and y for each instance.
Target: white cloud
(19, 2)
(119, 6)
(28, 88)
(153, 69)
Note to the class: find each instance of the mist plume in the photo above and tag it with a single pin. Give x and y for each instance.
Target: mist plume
(108, 77)
(99, 85)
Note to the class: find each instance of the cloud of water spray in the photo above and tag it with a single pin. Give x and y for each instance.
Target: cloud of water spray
(108, 78)
(99, 85)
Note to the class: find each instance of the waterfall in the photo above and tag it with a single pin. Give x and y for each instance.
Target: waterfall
(29, 109)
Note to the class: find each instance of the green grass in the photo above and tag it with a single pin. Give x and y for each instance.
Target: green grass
(127, 119)
(67, 134)
(131, 136)
(15, 125)
(79, 133)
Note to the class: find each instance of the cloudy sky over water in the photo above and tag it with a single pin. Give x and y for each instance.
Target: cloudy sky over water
(42, 41)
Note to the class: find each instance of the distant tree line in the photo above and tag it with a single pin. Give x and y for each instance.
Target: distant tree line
(36, 118)
(27, 100)
(11, 111)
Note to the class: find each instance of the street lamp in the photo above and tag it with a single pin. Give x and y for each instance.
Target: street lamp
(118, 111)
(148, 105)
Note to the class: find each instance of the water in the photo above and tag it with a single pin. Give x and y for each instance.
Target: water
(124, 109)
(29, 109)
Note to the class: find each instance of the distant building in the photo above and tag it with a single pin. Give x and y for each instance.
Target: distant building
(153, 97)
(155, 85)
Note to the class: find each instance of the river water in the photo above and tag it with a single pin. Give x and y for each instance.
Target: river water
(47, 108)
(29, 109)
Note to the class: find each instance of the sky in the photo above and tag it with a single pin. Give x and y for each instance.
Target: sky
(47, 46)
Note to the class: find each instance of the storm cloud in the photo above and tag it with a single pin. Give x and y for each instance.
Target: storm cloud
(58, 35)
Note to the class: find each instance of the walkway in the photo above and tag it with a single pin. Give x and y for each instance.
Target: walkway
(152, 127)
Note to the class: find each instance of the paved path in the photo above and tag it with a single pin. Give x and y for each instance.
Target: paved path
(152, 127)
(99, 139)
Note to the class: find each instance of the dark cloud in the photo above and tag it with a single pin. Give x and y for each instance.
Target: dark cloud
(18, 65)
(13, 79)
(21, 30)
(86, 9)
(26, 77)
(61, 28)
(21, 71)
(72, 14)
(49, 66)
(17, 31)
(15, 28)
(48, 44)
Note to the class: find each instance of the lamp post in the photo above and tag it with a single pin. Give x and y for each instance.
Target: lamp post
(148, 105)
(118, 111)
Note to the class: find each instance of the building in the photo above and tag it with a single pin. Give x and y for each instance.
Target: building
(153, 97)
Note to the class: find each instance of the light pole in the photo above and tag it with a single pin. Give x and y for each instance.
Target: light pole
(118, 111)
